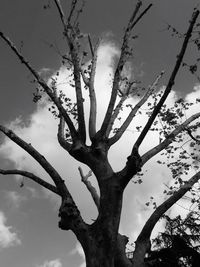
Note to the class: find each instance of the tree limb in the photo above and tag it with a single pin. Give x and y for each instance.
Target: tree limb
(140, 16)
(33, 177)
(117, 76)
(72, 10)
(93, 102)
(171, 81)
(61, 13)
(143, 240)
(44, 85)
(71, 37)
(123, 97)
(115, 114)
(90, 187)
(68, 206)
(84, 77)
(35, 154)
(78, 88)
(134, 110)
(160, 210)
(61, 135)
(91, 46)
(182, 127)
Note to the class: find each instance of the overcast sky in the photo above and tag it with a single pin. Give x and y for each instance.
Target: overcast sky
(29, 235)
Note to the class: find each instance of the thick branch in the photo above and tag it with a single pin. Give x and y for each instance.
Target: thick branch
(72, 10)
(33, 177)
(152, 152)
(118, 108)
(160, 210)
(35, 154)
(115, 114)
(132, 167)
(143, 240)
(78, 88)
(133, 112)
(170, 83)
(90, 187)
(84, 77)
(68, 205)
(61, 134)
(117, 75)
(44, 85)
(71, 37)
(93, 102)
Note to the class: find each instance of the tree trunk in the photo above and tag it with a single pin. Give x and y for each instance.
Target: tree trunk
(100, 252)
(142, 247)
(101, 246)
(121, 259)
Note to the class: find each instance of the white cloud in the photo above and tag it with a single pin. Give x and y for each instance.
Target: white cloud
(78, 250)
(192, 96)
(8, 238)
(53, 263)
(83, 264)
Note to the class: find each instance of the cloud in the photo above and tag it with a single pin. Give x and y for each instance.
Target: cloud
(8, 238)
(78, 250)
(14, 198)
(32, 192)
(52, 263)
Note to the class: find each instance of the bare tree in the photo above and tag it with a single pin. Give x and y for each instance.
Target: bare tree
(101, 242)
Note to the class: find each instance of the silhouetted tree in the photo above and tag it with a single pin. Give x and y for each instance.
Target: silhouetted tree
(178, 245)
(101, 242)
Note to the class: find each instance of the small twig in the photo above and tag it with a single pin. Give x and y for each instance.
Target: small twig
(91, 46)
(141, 15)
(190, 134)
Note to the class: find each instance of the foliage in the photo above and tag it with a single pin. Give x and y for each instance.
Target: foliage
(178, 245)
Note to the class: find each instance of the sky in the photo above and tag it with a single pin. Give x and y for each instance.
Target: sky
(29, 233)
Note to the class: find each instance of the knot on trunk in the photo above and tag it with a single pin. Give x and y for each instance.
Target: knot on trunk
(68, 212)
(79, 151)
(134, 162)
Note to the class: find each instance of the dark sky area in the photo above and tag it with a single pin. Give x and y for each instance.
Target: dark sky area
(33, 28)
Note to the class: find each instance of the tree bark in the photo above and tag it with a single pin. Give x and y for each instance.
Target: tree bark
(102, 246)
(100, 250)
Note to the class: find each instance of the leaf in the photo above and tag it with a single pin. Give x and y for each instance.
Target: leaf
(193, 68)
